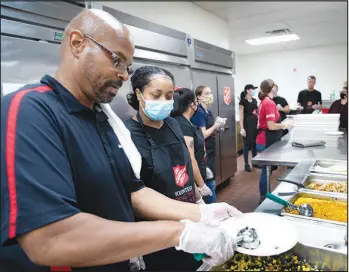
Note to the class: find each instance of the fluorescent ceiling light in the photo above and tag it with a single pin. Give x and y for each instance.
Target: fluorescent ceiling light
(273, 39)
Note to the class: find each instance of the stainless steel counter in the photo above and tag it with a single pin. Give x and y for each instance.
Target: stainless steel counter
(311, 233)
(283, 153)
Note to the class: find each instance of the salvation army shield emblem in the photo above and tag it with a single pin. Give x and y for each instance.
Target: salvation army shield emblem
(181, 175)
(226, 95)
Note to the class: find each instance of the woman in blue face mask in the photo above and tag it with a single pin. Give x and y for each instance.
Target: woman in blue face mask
(166, 161)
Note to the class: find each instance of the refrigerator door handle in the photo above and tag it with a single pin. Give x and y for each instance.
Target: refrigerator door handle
(224, 128)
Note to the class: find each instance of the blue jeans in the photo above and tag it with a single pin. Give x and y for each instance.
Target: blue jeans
(263, 178)
(212, 198)
(247, 147)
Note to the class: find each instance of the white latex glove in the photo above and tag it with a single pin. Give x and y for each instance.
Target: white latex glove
(213, 214)
(209, 173)
(316, 107)
(205, 191)
(287, 124)
(201, 201)
(243, 132)
(137, 264)
(299, 107)
(220, 122)
(279, 107)
(203, 239)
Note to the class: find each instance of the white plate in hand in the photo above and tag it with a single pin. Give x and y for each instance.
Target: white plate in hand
(277, 235)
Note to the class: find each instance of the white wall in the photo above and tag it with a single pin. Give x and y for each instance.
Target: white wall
(182, 16)
(328, 64)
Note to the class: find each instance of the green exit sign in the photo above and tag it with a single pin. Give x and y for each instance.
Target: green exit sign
(58, 35)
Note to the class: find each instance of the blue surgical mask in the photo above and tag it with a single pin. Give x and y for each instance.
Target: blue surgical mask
(157, 110)
(254, 93)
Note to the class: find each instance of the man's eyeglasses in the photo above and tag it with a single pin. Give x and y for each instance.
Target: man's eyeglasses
(118, 62)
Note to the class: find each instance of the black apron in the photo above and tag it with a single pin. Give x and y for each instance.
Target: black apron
(210, 143)
(250, 122)
(201, 152)
(172, 169)
(250, 125)
(272, 136)
(173, 177)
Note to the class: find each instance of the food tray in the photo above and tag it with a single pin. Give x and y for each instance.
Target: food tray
(328, 164)
(316, 195)
(329, 259)
(323, 179)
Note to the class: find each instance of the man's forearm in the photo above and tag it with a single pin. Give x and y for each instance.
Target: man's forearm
(152, 205)
(87, 240)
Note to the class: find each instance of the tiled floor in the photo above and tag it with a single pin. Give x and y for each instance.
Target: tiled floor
(242, 190)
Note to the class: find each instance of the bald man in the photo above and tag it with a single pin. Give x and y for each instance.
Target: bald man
(68, 191)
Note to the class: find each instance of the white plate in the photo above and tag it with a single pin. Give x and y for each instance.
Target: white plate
(335, 133)
(277, 235)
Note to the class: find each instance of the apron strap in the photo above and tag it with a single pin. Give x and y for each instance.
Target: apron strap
(152, 143)
(149, 137)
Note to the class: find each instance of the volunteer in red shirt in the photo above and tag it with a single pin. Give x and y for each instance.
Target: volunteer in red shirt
(269, 126)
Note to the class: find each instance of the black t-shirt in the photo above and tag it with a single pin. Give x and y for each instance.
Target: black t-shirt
(283, 103)
(250, 108)
(164, 135)
(190, 130)
(337, 107)
(308, 99)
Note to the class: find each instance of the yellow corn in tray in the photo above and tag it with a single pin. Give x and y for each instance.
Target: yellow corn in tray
(325, 209)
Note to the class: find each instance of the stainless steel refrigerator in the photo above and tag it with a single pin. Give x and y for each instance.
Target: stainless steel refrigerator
(32, 31)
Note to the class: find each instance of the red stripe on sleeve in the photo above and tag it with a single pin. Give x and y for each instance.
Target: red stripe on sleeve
(60, 268)
(10, 154)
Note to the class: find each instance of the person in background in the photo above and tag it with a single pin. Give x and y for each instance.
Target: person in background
(69, 187)
(269, 127)
(309, 99)
(282, 106)
(185, 106)
(166, 163)
(248, 122)
(204, 120)
(341, 106)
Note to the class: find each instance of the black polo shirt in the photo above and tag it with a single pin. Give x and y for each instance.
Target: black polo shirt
(58, 158)
(283, 103)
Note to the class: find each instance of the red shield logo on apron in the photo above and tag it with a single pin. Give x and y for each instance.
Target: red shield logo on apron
(310, 103)
(227, 95)
(181, 175)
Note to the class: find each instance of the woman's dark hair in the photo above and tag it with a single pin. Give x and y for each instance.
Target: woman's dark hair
(265, 88)
(243, 95)
(182, 97)
(141, 78)
(199, 90)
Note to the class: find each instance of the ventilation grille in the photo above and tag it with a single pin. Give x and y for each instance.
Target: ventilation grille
(279, 32)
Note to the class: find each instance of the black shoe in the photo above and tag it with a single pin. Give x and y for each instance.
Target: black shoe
(273, 168)
(248, 168)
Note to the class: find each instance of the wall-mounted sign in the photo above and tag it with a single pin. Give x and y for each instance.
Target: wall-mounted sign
(226, 95)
